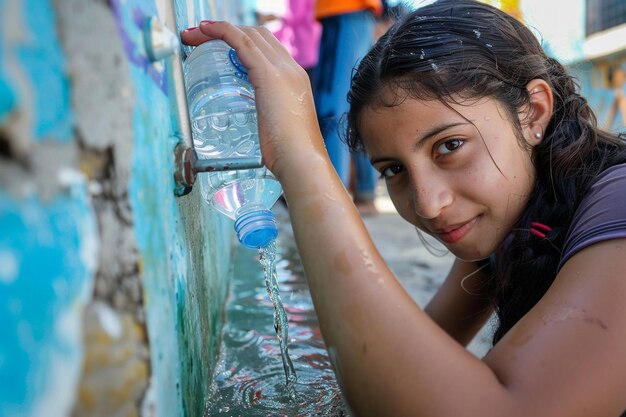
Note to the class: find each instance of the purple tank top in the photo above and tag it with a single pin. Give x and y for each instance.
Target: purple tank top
(601, 214)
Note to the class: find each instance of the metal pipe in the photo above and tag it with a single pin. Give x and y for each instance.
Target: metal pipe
(162, 43)
(226, 164)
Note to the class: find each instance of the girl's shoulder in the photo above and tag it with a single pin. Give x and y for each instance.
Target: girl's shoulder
(601, 214)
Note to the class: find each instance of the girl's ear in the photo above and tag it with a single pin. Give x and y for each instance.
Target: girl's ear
(538, 118)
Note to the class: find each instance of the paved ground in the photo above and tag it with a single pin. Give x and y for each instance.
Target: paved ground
(420, 271)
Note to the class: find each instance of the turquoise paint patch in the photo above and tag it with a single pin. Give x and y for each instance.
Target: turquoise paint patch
(8, 98)
(42, 59)
(47, 262)
(155, 223)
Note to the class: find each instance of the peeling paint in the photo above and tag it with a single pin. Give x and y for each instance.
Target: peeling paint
(127, 276)
(103, 95)
(116, 364)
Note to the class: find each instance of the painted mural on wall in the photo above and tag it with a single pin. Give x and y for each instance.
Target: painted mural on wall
(48, 234)
(111, 288)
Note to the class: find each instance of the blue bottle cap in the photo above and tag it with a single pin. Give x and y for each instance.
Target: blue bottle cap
(256, 229)
(240, 70)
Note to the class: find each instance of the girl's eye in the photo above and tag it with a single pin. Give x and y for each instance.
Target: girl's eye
(391, 171)
(449, 146)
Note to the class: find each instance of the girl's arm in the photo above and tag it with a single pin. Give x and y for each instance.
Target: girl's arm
(566, 356)
(390, 357)
(461, 306)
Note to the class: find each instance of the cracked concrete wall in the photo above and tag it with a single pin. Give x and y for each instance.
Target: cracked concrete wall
(111, 288)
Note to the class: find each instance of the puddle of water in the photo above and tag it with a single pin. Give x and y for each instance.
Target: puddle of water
(249, 379)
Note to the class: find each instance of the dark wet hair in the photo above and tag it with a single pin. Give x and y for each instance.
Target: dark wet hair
(459, 50)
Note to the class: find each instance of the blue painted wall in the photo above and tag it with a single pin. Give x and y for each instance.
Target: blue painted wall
(111, 288)
(48, 239)
(47, 260)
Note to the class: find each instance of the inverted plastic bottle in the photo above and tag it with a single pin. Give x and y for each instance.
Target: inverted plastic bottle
(224, 125)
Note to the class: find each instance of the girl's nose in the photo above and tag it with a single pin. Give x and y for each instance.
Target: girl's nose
(430, 197)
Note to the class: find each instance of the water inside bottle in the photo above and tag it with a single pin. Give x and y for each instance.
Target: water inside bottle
(224, 122)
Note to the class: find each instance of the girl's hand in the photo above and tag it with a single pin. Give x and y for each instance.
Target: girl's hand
(288, 128)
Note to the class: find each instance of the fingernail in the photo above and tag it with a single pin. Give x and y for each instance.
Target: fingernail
(207, 22)
(190, 29)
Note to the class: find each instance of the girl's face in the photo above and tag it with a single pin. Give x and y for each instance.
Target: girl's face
(458, 173)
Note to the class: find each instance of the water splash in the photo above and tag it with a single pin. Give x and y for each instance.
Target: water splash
(267, 257)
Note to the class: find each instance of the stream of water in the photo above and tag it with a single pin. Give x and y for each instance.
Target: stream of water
(267, 257)
(273, 361)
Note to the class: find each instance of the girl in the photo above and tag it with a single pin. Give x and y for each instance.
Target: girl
(485, 144)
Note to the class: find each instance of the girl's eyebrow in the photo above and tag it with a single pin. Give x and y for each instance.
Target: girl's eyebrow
(435, 131)
(421, 140)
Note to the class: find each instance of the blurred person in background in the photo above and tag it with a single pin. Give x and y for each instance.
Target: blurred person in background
(347, 34)
(617, 78)
(298, 30)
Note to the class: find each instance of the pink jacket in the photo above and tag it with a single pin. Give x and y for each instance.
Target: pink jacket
(300, 32)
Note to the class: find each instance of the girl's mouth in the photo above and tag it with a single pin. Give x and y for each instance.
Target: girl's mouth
(456, 233)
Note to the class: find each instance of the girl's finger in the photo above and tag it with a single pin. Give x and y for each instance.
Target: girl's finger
(247, 46)
(260, 41)
(193, 36)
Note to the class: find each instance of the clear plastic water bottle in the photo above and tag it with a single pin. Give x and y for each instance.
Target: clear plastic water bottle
(224, 125)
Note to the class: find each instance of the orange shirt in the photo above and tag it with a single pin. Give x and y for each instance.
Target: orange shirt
(325, 8)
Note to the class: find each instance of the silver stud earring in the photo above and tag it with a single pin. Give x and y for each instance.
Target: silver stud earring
(538, 135)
